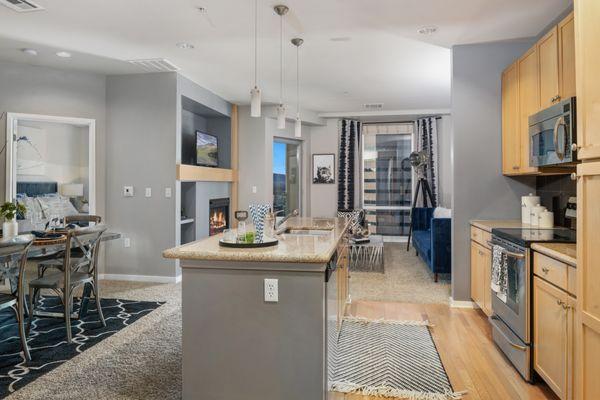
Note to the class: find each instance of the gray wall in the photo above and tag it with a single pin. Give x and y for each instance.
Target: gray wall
(48, 91)
(324, 139)
(479, 189)
(445, 162)
(141, 151)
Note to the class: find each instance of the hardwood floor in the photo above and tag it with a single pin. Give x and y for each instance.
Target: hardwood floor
(463, 339)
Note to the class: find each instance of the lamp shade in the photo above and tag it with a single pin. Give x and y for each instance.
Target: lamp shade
(72, 189)
(298, 127)
(255, 102)
(281, 116)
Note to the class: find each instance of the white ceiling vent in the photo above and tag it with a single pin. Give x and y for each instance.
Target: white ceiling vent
(155, 64)
(373, 106)
(21, 5)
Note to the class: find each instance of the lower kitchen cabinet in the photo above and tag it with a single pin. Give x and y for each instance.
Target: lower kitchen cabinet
(343, 277)
(481, 264)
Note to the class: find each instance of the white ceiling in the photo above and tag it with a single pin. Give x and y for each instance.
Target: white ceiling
(382, 60)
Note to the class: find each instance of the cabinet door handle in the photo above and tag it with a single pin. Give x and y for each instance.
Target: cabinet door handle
(545, 270)
(515, 167)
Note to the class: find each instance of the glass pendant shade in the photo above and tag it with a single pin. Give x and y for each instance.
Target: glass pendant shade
(255, 102)
(281, 116)
(298, 127)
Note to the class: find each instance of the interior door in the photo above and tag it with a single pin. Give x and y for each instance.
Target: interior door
(588, 281)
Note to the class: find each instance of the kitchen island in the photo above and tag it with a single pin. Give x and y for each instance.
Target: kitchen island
(242, 341)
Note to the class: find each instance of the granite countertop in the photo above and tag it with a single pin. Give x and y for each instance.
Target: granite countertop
(565, 252)
(488, 225)
(291, 249)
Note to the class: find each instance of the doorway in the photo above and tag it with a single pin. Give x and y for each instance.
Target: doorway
(287, 156)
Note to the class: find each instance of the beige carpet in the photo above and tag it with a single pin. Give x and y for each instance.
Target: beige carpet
(406, 279)
(142, 361)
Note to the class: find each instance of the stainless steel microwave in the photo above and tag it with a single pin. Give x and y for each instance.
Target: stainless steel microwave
(551, 135)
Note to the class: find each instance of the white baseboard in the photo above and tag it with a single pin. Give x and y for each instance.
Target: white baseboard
(141, 278)
(462, 304)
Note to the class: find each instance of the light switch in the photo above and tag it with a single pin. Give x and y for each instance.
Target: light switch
(128, 191)
(148, 192)
(254, 189)
(168, 193)
(126, 242)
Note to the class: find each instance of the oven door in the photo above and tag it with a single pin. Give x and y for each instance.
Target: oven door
(515, 311)
(551, 133)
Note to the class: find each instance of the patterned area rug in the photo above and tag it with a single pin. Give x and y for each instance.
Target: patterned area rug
(47, 339)
(396, 359)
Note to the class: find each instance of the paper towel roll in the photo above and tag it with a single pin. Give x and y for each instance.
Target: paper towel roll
(527, 204)
(546, 219)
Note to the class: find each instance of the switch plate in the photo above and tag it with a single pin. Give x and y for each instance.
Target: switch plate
(254, 189)
(168, 193)
(128, 191)
(126, 242)
(271, 290)
(148, 192)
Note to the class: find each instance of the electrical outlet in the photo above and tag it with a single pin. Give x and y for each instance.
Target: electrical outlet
(126, 242)
(148, 192)
(168, 193)
(271, 290)
(128, 191)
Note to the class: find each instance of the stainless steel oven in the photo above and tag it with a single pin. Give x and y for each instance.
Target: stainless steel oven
(511, 319)
(551, 133)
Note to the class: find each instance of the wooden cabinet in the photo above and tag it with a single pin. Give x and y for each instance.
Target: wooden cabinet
(542, 76)
(343, 276)
(553, 336)
(587, 36)
(547, 49)
(588, 277)
(511, 139)
(481, 264)
(529, 102)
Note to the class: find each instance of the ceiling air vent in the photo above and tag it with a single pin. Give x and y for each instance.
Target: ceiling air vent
(155, 64)
(373, 106)
(21, 5)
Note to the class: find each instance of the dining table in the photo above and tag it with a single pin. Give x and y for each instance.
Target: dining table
(41, 250)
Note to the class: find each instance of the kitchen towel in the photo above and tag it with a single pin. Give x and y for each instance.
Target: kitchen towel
(499, 281)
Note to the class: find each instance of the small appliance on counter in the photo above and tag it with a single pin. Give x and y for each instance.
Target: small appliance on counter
(571, 212)
(511, 319)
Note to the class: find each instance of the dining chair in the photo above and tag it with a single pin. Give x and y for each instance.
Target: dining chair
(13, 258)
(57, 260)
(75, 272)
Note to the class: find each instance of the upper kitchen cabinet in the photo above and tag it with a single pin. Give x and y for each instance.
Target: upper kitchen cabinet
(547, 50)
(529, 103)
(587, 35)
(511, 140)
(566, 57)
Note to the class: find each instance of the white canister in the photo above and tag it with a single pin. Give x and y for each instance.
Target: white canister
(536, 213)
(546, 220)
(10, 229)
(527, 203)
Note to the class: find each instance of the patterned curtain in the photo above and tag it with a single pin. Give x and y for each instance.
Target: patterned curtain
(349, 141)
(427, 140)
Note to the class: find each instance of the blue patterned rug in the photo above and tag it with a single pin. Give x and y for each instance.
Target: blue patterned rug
(48, 342)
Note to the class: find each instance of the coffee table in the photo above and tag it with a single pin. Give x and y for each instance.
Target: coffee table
(367, 256)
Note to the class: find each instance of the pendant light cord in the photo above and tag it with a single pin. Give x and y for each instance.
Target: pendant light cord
(281, 61)
(298, 78)
(255, 43)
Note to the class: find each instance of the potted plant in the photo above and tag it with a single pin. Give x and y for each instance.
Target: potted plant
(9, 211)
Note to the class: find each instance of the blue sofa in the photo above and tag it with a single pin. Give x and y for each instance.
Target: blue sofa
(431, 239)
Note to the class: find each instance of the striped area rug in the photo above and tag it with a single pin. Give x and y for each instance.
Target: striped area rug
(395, 359)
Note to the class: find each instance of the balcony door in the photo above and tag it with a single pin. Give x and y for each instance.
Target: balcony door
(387, 177)
(287, 156)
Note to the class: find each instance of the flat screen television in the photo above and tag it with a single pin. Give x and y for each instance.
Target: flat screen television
(207, 150)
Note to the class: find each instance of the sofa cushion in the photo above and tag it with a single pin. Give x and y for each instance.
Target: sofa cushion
(422, 241)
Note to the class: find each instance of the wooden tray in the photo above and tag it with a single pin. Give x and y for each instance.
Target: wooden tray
(49, 241)
(269, 243)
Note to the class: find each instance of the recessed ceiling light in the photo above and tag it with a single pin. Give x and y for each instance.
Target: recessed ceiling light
(202, 10)
(63, 54)
(183, 45)
(341, 39)
(30, 52)
(427, 30)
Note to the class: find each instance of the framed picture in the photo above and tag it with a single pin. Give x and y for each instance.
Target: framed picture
(323, 168)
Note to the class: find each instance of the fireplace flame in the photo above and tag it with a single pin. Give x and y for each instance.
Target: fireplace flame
(218, 220)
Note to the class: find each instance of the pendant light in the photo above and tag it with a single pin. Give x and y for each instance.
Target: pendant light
(255, 95)
(298, 124)
(281, 10)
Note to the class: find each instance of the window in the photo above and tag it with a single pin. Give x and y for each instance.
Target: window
(387, 177)
(286, 175)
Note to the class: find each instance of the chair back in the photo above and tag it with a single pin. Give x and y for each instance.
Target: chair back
(88, 241)
(356, 217)
(13, 258)
(77, 219)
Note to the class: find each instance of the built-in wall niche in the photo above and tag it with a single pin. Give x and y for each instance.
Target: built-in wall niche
(188, 212)
(196, 117)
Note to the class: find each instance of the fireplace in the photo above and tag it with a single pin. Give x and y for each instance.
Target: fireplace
(218, 216)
